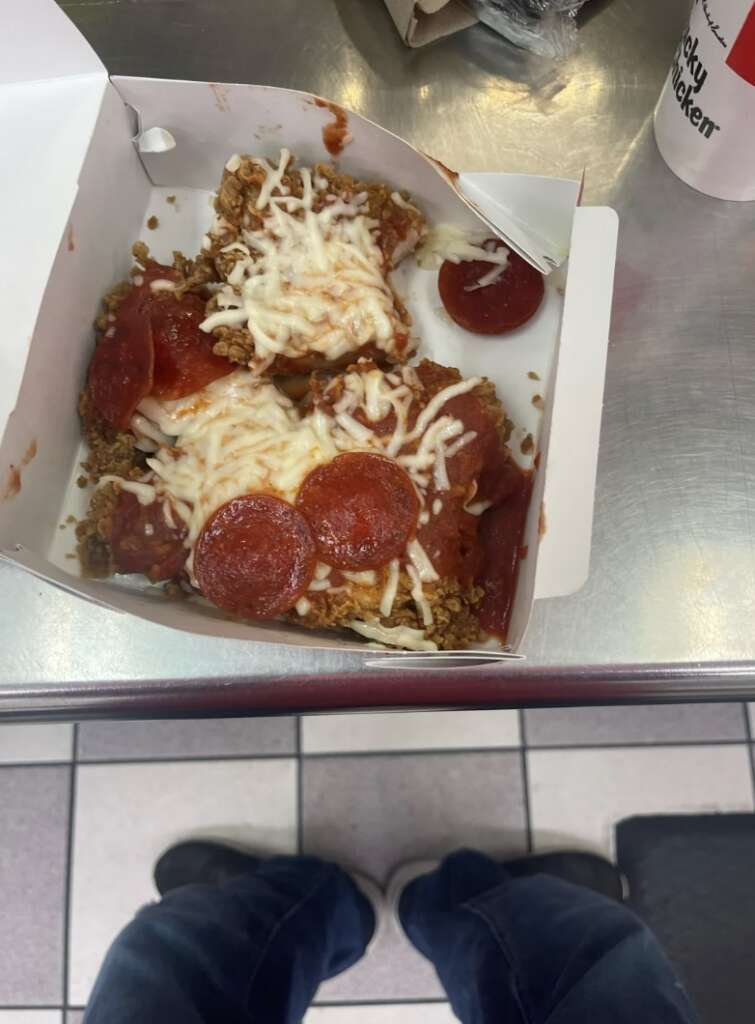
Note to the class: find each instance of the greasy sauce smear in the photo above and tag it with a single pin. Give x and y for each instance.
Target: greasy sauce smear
(501, 551)
(13, 480)
(451, 176)
(335, 134)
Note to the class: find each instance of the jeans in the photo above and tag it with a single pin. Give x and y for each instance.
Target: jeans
(507, 951)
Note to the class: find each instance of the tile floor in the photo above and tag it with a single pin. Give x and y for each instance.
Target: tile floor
(80, 805)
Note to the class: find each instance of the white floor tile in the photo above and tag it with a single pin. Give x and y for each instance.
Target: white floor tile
(577, 796)
(410, 730)
(31, 1017)
(395, 1013)
(126, 815)
(35, 743)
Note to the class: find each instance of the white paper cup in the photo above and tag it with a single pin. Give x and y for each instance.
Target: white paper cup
(705, 117)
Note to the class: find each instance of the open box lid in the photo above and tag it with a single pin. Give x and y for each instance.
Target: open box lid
(51, 87)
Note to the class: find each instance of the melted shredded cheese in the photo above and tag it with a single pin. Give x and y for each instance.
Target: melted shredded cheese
(144, 493)
(394, 636)
(311, 279)
(364, 579)
(450, 242)
(390, 589)
(422, 564)
(241, 435)
(418, 596)
(478, 507)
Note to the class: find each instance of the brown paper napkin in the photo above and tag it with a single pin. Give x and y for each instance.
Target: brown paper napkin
(422, 21)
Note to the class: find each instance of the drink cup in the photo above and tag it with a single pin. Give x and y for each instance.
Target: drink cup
(705, 117)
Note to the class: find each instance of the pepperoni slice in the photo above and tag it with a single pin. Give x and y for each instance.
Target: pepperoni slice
(142, 541)
(156, 347)
(362, 509)
(120, 374)
(255, 556)
(184, 360)
(510, 301)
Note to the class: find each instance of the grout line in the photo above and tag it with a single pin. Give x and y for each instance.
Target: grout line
(34, 1006)
(186, 759)
(69, 867)
(413, 751)
(36, 764)
(617, 745)
(525, 779)
(299, 790)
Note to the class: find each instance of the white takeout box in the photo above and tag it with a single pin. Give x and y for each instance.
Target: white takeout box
(77, 189)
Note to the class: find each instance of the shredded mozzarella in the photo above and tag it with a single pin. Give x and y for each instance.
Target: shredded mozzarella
(239, 435)
(450, 242)
(366, 578)
(144, 493)
(394, 636)
(162, 284)
(437, 402)
(420, 561)
(319, 585)
(418, 596)
(490, 278)
(311, 279)
(390, 589)
(478, 507)
(399, 200)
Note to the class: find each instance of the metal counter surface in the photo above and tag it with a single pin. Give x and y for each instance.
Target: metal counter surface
(669, 609)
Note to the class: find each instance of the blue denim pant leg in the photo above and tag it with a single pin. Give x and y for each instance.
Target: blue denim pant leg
(536, 950)
(252, 949)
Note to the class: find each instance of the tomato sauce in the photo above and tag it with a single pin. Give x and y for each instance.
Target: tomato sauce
(335, 134)
(500, 549)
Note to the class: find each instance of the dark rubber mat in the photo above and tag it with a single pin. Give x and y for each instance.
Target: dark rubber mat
(692, 880)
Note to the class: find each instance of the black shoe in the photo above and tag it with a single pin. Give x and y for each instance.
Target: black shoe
(586, 869)
(201, 861)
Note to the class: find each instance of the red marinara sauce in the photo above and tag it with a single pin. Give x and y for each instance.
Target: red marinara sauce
(506, 303)
(500, 551)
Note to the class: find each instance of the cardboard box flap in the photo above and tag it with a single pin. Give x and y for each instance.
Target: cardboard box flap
(574, 429)
(51, 87)
(192, 122)
(46, 130)
(541, 229)
(38, 43)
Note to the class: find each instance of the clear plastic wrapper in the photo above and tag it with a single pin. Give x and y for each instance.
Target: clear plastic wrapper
(545, 27)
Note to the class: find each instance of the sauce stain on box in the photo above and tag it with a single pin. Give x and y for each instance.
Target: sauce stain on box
(335, 134)
(220, 92)
(13, 479)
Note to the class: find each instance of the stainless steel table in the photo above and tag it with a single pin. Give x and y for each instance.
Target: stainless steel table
(669, 610)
